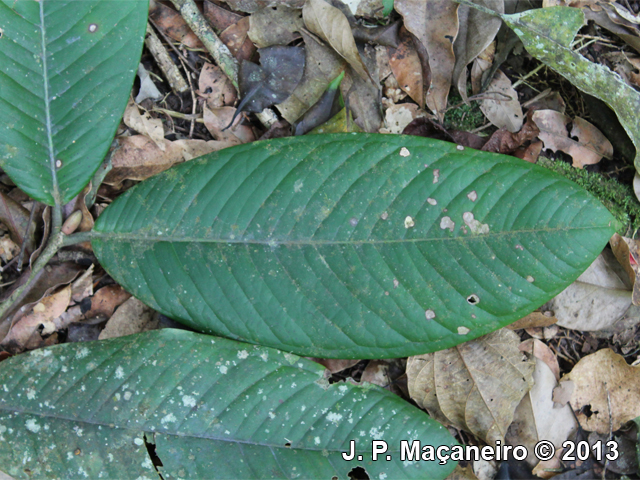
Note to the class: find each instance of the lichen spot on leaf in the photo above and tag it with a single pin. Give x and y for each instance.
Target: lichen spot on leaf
(404, 152)
(463, 330)
(409, 222)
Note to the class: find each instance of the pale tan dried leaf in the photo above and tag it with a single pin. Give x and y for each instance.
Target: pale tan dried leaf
(106, 300)
(217, 119)
(236, 38)
(475, 386)
(596, 300)
(481, 65)
(277, 26)
(476, 31)
(536, 418)
(534, 319)
(322, 66)
(435, 25)
(535, 348)
(83, 286)
(196, 148)
(590, 147)
(605, 383)
(332, 26)
(131, 317)
(503, 110)
(406, 67)
(397, 117)
(144, 124)
(215, 87)
(8, 248)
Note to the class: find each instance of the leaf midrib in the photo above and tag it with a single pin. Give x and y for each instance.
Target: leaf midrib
(273, 242)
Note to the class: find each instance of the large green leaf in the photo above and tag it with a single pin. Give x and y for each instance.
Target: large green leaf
(214, 408)
(306, 244)
(66, 69)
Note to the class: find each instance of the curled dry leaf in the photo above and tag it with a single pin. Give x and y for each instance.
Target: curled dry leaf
(475, 386)
(627, 252)
(476, 31)
(16, 219)
(218, 119)
(536, 417)
(215, 87)
(148, 89)
(322, 66)
(144, 124)
(236, 38)
(585, 143)
(131, 317)
(332, 26)
(173, 25)
(406, 67)
(505, 142)
(278, 26)
(503, 110)
(363, 97)
(596, 300)
(435, 25)
(605, 394)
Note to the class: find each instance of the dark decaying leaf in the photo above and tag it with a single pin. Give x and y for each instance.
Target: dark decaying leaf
(351, 245)
(210, 408)
(323, 110)
(362, 97)
(321, 66)
(16, 219)
(386, 35)
(272, 81)
(277, 26)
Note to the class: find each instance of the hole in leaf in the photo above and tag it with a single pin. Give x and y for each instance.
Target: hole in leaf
(1, 32)
(587, 411)
(288, 444)
(473, 299)
(358, 473)
(151, 450)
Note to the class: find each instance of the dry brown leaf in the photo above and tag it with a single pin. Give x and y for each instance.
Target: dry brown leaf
(507, 143)
(503, 110)
(406, 67)
(219, 18)
(475, 386)
(131, 317)
(215, 87)
(217, 119)
(332, 26)
(605, 394)
(589, 148)
(536, 417)
(237, 39)
(476, 31)
(250, 6)
(277, 26)
(106, 300)
(335, 365)
(435, 25)
(173, 25)
(16, 218)
(596, 300)
(25, 332)
(8, 248)
(534, 319)
(196, 148)
(144, 124)
(481, 65)
(627, 252)
(462, 473)
(397, 117)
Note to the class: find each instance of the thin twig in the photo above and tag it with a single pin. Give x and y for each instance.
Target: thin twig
(173, 47)
(183, 116)
(528, 75)
(163, 60)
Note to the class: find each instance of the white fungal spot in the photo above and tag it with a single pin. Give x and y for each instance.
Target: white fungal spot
(436, 175)
(519, 247)
(83, 352)
(396, 283)
(384, 215)
(316, 440)
(93, 28)
(376, 433)
(58, 163)
(272, 415)
(334, 417)
(223, 369)
(31, 393)
(297, 186)
(463, 330)
(242, 354)
(33, 426)
(138, 441)
(459, 147)
(472, 195)
(353, 221)
(127, 395)
(404, 152)
(430, 314)
(432, 201)
(530, 279)
(119, 372)
(408, 222)
(188, 401)
(446, 222)
(171, 418)
(474, 225)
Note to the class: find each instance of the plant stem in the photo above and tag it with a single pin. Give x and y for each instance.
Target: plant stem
(218, 50)
(79, 237)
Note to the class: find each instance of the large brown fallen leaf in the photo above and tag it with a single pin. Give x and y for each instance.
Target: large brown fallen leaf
(215, 87)
(503, 108)
(435, 25)
(475, 33)
(144, 124)
(16, 218)
(332, 26)
(596, 300)
(475, 386)
(173, 25)
(536, 418)
(236, 38)
(218, 122)
(589, 148)
(406, 67)
(278, 26)
(131, 317)
(322, 66)
(606, 391)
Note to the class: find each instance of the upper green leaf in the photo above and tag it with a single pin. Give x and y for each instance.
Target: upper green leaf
(66, 69)
(214, 408)
(351, 245)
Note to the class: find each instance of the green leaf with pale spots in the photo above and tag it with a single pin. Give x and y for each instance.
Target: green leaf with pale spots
(214, 408)
(351, 245)
(66, 70)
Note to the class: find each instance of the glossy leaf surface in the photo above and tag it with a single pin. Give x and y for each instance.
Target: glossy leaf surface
(214, 408)
(66, 70)
(351, 245)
